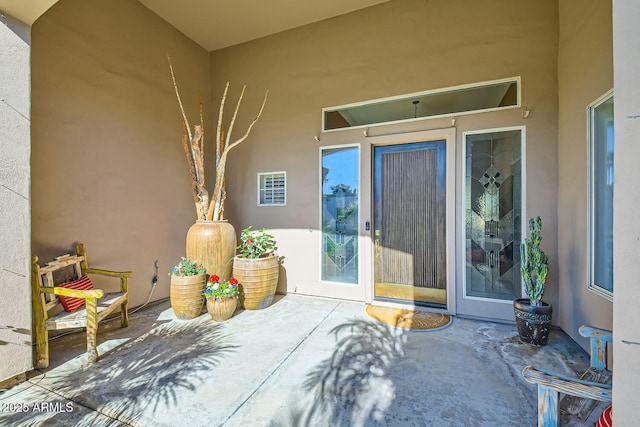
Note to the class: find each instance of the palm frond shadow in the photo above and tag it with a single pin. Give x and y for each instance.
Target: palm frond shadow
(150, 371)
(351, 386)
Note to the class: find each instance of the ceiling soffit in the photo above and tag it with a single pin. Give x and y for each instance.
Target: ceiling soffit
(218, 24)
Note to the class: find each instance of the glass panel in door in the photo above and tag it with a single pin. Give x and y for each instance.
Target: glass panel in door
(493, 215)
(340, 187)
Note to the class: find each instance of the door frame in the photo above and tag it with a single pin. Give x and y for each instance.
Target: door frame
(449, 135)
(478, 307)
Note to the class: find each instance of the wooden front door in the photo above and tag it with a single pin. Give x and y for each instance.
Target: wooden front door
(410, 253)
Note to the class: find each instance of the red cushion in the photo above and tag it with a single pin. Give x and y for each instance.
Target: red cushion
(70, 303)
(605, 419)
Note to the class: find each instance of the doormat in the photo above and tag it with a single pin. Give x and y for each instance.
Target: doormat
(408, 319)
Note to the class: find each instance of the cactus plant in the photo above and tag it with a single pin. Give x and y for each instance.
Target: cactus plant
(534, 263)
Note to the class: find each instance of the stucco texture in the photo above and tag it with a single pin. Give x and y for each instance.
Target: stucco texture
(108, 168)
(585, 72)
(395, 48)
(15, 304)
(626, 331)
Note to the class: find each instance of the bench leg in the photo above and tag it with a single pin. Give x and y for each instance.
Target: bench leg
(124, 314)
(548, 410)
(42, 347)
(92, 328)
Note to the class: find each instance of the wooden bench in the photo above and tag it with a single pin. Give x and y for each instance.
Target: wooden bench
(594, 384)
(98, 304)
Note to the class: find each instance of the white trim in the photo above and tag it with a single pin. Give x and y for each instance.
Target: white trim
(605, 293)
(449, 135)
(259, 187)
(516, 79)
(360, 234)
(463, 209)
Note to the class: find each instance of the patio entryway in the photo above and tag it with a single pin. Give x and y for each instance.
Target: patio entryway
(302, 361)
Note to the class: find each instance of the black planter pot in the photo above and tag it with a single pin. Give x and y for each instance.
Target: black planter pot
(533, 322)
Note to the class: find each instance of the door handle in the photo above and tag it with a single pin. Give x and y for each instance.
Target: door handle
(376, 243)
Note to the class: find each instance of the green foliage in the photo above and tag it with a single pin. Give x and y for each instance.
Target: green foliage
(256, 244)
(186, 267)
(534, 263)
(215, 289)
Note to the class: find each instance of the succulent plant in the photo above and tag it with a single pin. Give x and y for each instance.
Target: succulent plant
(534, 264)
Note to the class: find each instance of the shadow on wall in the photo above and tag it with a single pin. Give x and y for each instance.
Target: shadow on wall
(351, 386)
(15, 330)
(282, 278)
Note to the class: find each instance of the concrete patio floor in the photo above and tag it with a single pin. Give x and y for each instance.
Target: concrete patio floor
(300, 362)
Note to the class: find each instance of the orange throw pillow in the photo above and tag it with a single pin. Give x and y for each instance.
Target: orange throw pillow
(70, 303)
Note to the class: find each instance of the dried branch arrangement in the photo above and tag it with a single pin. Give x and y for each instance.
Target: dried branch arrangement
(193, 143)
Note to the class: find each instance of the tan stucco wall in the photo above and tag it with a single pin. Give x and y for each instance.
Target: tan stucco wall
(395, 48)
(15, 290)
(626, 328)
(585, 72)
(108, 167)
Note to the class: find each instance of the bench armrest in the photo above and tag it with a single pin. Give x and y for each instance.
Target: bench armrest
(598, 339)
(76, 293)
(567, 385)
(109, 272)
(590, 332)
(122, 275)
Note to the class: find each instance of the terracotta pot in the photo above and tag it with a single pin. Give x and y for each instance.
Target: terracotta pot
(534, 322)
(258, 278)
(213, 244)
(221, 309)
(186, 295)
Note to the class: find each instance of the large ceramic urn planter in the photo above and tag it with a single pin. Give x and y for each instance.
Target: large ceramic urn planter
(213, 244)
(258, 278)
(186, 295)
(221, 309)
(534, 322)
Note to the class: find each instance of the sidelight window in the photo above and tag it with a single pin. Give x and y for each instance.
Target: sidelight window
(600, 212)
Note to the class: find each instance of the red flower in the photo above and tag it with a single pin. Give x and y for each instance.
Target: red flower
(248, 241)
(233, 281)
(214, 278)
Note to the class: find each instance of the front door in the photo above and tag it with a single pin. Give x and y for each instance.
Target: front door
(410, 223)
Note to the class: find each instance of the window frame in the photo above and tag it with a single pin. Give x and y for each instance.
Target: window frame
(359, 217)
(260, 188)
(410, 96)
(591, 197)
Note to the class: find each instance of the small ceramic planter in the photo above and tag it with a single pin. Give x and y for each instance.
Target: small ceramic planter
(221, 309)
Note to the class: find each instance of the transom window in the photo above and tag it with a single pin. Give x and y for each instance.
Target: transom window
(451, 101)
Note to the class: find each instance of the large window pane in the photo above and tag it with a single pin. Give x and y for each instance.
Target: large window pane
(340, 189)
(601, 147)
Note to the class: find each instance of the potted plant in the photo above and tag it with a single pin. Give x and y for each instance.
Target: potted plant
(256, 267)
(187, 283)
(222, 297)
(533, 316)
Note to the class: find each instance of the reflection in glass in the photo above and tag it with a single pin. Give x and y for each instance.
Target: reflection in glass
(601, 183)
(340, 188)
(493, 193)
